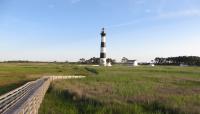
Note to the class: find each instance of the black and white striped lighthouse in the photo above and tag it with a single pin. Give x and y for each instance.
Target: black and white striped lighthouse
(103, 49)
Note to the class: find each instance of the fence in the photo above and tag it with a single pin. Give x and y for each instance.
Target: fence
(27, 98)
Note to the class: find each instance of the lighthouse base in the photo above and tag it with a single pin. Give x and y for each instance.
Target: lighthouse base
(103, 62)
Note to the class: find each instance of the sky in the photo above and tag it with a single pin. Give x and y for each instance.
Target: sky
(60, 30)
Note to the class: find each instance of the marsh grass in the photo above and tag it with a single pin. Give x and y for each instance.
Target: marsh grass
(14, 75)
(127, 90)
(111, 90)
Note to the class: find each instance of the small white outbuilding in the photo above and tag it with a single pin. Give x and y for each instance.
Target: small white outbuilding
(109, 64)
(132, 63)
(152, 64)
(183, 65)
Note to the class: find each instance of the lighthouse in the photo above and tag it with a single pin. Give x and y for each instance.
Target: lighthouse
(103, 48)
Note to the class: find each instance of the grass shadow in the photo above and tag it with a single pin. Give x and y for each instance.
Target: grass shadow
(82, 103)
(159, 107)
(6, 88)
(92, 70)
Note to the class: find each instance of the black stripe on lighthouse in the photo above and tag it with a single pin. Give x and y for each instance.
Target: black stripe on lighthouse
(103, 44)
(103, 55)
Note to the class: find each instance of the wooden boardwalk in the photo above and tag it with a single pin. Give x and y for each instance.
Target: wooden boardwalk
(27, 98)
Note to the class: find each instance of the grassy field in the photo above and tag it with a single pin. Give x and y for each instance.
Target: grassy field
(111, 90)
(127, 90)
(15, 75)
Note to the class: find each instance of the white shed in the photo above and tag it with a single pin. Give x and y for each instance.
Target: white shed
(132, 62)
(109, 64)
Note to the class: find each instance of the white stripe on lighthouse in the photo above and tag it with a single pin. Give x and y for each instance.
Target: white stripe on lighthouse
(103, 39)
(103, 50)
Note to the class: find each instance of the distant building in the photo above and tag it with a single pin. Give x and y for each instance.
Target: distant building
(132, 63)
(183, 65)
(109, 64)
(152, 64)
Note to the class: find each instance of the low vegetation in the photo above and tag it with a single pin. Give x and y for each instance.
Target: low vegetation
(13, 75)
(184, 60)
(111, 90)
(127, 90)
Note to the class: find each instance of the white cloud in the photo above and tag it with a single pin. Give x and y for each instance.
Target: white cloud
(163, 15)
(125, 24)
(176, 14)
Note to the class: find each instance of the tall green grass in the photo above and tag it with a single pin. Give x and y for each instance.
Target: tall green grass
(14, 75)
(111, 90)
(127, 90)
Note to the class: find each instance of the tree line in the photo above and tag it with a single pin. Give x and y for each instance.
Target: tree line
(95, 60)
(185, 60)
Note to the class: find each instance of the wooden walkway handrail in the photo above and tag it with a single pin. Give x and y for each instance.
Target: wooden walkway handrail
(34, 90)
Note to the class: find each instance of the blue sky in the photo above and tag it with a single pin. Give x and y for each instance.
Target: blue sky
(62, 30)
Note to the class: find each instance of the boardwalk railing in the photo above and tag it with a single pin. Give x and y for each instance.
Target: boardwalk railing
(27, 98)
(64, 77)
